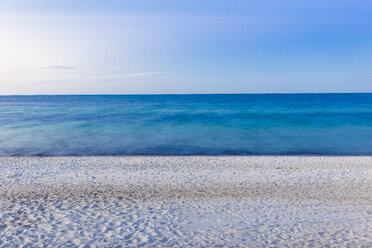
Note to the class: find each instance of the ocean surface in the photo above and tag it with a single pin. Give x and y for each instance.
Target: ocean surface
(246, 124)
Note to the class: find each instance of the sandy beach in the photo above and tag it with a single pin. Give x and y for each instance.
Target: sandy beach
(178, 201)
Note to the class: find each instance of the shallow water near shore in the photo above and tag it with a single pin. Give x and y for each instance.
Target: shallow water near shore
(246, 124)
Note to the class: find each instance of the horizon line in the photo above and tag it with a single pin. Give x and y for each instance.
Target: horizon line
(154, 94)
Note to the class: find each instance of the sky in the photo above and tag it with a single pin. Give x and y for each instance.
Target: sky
(185, 47)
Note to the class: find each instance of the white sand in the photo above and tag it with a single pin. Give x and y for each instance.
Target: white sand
(186, 201)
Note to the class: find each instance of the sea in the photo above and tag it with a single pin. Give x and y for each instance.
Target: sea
(215, 124)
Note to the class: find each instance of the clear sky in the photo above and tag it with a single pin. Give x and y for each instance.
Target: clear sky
(203, 46)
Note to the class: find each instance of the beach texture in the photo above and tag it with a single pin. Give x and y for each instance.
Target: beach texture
(183, 201)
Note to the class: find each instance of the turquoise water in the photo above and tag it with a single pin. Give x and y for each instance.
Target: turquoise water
(332, 124)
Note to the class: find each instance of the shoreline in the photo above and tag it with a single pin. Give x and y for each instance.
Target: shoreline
(186, 200)
(189, 155)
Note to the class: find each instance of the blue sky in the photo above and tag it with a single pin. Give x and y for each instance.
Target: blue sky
(142, 47)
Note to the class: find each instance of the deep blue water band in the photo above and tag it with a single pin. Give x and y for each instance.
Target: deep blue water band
(246, 124)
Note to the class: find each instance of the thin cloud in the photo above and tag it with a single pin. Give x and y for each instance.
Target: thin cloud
(58, 67)
(134, 75)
